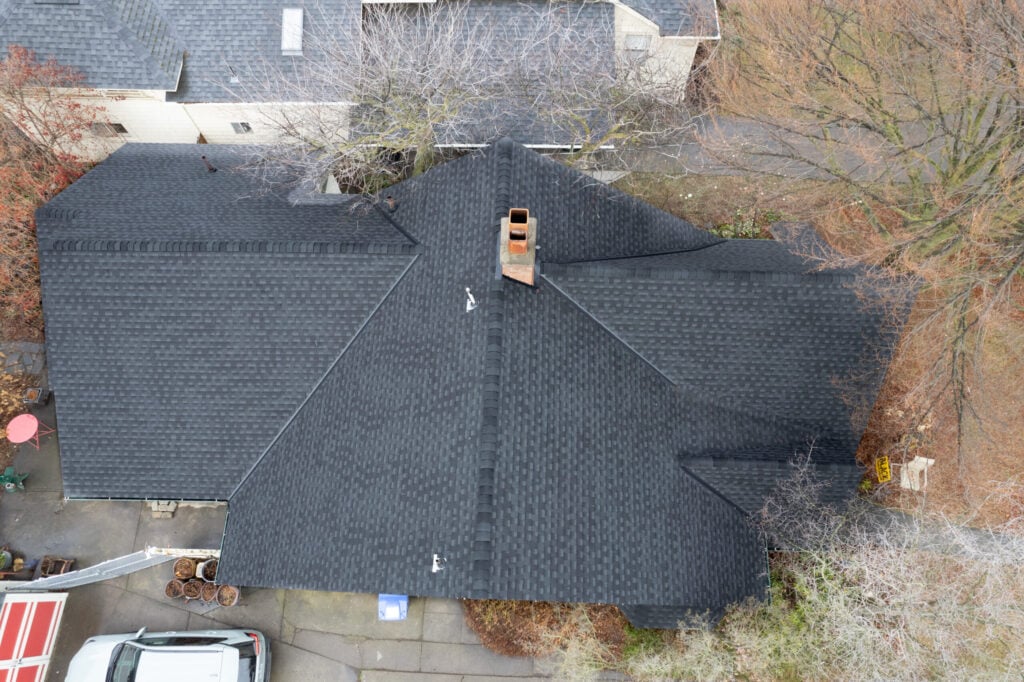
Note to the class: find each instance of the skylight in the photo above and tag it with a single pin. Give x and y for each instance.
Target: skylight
(291, 31)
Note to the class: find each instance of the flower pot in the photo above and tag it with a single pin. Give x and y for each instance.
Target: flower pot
(227, 595)
(174, 588)
(193, 589)
(207, 570)
(184, 568)
(208, 592)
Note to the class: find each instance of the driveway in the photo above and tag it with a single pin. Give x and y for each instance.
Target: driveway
(315, 635)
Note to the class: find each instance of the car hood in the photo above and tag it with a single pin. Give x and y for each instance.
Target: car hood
(91, 662)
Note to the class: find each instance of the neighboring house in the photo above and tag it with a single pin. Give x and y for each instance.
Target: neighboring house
(317, 362)
(164, 69)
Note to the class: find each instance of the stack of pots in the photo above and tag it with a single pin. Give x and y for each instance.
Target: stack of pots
(198, 580)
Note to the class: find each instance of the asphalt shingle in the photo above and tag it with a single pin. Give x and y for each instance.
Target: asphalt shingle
(599, 437)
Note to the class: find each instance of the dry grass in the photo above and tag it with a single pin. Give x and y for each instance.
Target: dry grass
(982, 492)
(520, 628)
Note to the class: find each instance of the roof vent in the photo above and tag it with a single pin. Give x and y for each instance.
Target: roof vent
(519, 245)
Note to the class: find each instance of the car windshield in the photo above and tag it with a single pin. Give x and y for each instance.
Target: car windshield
(124, 662)
(246, 662)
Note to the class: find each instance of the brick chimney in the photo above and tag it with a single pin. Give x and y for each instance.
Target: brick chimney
(519, 245)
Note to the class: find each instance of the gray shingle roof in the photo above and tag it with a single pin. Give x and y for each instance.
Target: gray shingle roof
(148, 44)
(242, 38)
(114, 43)
(597, 438)
(697, 18)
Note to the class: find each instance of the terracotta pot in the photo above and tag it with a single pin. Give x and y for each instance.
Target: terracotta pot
(184, 568)
(207, 570)
(174, 588)
(193, 589)
(227, 595)
(208, 592)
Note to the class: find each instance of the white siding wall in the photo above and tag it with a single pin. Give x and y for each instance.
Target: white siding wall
(148, 118)
(145, 115)
(214, 120)
(672, 57)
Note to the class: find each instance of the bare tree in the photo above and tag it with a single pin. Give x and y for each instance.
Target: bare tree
(39, 99)
(424, 77)
(914, 110)
(41, 125)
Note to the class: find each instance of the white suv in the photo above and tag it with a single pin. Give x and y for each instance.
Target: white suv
(213, 655)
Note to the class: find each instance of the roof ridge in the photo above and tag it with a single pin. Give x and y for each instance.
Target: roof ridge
(226, 246)
(483, 548)
(503, 180)
(483, 528)
(714, 491)
(643, 255)
(605, 327)
(683, 458)
(323, 377)
(600, 269)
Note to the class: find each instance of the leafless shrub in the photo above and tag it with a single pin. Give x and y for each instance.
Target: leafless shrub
(862, 593)
(423, 77)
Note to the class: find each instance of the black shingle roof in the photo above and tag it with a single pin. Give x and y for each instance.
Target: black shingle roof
(199, 321)
(600, 437)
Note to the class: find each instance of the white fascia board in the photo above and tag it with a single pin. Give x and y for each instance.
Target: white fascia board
(484, 145)
(177, 78)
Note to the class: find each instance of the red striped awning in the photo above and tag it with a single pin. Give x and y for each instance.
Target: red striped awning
(28, 630)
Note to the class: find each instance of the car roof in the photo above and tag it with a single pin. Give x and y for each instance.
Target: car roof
(175, 664)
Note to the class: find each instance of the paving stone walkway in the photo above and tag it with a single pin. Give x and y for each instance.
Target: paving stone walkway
(22, 357)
